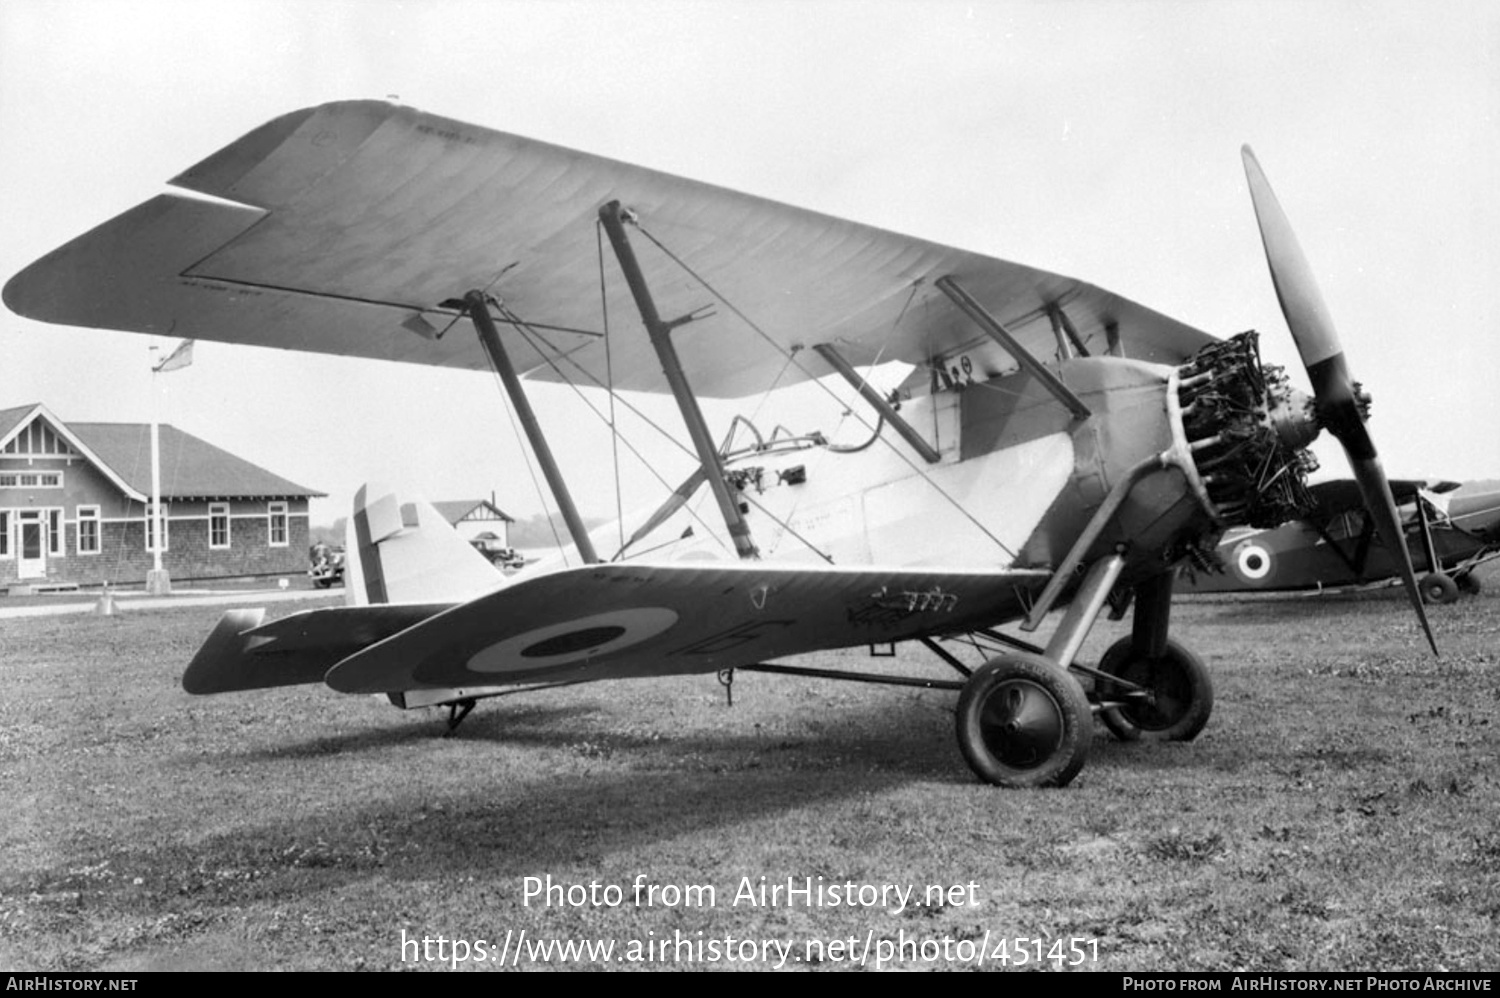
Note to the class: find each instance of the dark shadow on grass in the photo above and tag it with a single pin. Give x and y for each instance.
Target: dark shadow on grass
(506, 826)
(420, 726)
(861, 737)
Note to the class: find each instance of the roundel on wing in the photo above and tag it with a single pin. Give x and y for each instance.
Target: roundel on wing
(573, 641)
(1252, 561)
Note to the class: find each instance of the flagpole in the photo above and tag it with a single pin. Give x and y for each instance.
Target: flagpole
(158, 581)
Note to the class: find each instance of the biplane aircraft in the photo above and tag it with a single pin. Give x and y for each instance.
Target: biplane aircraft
(1056, 445)
(1450, 529)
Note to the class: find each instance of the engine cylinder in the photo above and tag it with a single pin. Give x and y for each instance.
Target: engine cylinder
(1246, 427)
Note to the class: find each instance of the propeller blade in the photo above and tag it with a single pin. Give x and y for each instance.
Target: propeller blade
(1296, 287)
(1338, 402)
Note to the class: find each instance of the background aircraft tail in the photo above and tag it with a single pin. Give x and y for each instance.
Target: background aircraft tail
(405, 552)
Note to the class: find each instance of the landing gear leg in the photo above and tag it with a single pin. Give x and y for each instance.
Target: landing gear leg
(1163, 698)
(1151, 687)
(1438, 588)
(457, 711)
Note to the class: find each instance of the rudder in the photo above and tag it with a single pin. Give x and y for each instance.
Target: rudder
(399, 552)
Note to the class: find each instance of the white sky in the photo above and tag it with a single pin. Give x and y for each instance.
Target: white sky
(1095, 139)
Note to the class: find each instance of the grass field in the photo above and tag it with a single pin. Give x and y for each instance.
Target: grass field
(1339, 812)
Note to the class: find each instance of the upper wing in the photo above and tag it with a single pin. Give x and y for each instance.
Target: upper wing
(342, 228)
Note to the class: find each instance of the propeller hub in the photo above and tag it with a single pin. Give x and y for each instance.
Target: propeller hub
(1293, 415)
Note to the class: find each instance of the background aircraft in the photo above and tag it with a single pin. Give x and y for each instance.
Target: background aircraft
(1055, 444)
(1450, 529)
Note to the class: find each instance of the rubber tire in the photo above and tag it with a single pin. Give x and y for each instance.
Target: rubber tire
(1049, 698)
(1178, 673)
(1469, 583)
(1438, 589)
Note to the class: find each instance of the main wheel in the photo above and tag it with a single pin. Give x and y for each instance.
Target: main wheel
(1179, 695)
(1468, 582)
(1023, 722)
(1438, 588)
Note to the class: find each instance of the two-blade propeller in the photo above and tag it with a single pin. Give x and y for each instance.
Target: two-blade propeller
(1339, 405)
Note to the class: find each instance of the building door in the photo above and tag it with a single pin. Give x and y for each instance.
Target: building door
(32, 546)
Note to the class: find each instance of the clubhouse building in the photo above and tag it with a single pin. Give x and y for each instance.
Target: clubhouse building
(75, 504)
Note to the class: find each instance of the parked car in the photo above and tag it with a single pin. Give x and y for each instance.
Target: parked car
(327, 566)
(493, 548)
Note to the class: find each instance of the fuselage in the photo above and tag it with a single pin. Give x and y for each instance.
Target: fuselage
(1017, 480)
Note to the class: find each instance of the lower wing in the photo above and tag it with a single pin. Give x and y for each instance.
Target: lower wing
(608, 621)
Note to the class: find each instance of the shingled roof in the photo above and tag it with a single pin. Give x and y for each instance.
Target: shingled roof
(11, 418)
(456, 509)
(191, 468)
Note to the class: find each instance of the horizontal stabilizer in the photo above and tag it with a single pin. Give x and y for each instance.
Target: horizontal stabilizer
(244, 654)
(219, 666)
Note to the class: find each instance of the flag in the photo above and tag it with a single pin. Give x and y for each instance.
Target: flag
(178, 358)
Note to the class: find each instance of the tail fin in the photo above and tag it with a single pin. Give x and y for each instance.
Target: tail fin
(407, 553)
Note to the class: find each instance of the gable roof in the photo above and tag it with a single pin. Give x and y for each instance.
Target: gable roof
(11, 419)
(191, 468)
(455, 510)
(13, 422)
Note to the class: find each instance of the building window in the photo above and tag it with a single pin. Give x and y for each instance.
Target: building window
(31, 480)
(55, 532)
(5, 533)
(218, 524)
(278, 531)
(88, 529)
(166, 528)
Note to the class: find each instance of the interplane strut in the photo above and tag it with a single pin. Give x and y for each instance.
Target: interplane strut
(660, 331)
(478, 306)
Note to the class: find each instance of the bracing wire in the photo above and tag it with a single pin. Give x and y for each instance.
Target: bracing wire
(609, 376)
(527, 333)
(761, 402)
(919, 470)
(530, 470)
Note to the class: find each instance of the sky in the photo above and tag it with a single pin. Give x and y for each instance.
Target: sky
(1095, 139)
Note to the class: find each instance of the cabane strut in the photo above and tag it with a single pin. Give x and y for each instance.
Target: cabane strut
(1006, 339)
(887, 411)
